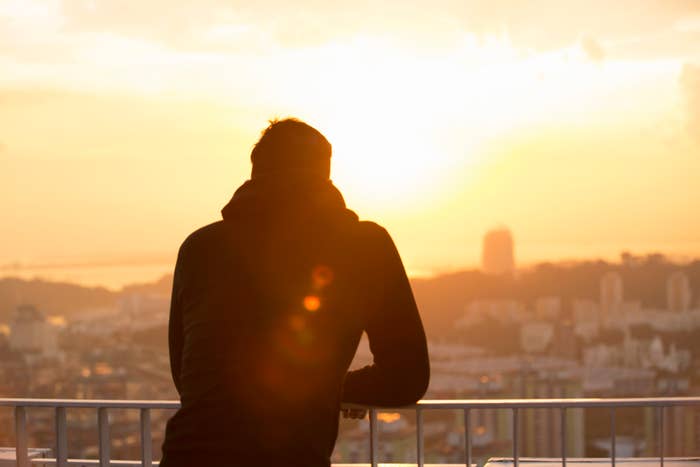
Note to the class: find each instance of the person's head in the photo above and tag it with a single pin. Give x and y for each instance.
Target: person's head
(289, 148)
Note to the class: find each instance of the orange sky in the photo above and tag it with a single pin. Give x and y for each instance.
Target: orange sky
(125, 125)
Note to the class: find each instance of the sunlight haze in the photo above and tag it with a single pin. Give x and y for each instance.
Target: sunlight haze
(124, 126)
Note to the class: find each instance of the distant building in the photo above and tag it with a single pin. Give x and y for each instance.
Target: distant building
(535, 336)
(497, 256)
(678, 292)
(611, 297)
(586, 318)
(30, 332)
(548, 308)
(564, 343)
(504, 311)
(540, 429)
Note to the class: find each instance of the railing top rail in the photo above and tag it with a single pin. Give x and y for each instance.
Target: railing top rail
(91, 403)
(423, 404)
(559, 403)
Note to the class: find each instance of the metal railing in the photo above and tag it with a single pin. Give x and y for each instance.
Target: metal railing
(466, 406)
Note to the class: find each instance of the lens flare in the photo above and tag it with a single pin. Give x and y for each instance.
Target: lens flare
(321, 276)
(312, 303)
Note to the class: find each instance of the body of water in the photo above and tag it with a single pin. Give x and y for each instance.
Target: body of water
(110, 276)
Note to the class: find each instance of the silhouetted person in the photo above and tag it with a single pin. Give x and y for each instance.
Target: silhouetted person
(268, 307)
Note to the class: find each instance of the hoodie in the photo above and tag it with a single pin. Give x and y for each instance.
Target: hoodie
(267, 310)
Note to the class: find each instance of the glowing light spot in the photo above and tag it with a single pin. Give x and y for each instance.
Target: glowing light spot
(322, 276)
(312, 303)
(103, 369)
(389, 417)
(85, 372)
(480, 430)
(57, 320)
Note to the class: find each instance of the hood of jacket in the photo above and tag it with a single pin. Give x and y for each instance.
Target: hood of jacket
(300, 198)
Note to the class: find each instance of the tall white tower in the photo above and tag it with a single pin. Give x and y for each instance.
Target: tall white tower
(678, 292)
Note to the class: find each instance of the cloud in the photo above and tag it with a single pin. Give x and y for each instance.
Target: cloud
(160, 44)
(594, 51)
(539, 24)
(690, 86)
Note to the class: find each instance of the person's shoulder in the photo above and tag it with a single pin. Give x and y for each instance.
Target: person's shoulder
(370, 228)
(202, 236)
(372, 233)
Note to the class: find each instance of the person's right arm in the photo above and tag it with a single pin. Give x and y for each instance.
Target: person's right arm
(401, 369)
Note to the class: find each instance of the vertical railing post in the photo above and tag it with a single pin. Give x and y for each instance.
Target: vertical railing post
(613, 446)
(21, 445)
(419, 437)
(373, 438)
(467, 438)
(61, 438)
(146, 441)
(562, 433)
(660, 434)
(103, 435)
(516, 455)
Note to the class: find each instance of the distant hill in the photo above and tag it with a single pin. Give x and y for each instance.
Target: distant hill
(162, 286)
(441, 299)
(54, 298)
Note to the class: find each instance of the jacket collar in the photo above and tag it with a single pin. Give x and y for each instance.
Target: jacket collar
(296, 196)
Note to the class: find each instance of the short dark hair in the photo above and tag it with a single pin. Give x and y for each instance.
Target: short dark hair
(291, 146)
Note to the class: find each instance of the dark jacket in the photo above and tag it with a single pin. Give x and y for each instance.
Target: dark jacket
(268, 307)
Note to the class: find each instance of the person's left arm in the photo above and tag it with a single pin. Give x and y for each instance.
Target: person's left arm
(175, 323)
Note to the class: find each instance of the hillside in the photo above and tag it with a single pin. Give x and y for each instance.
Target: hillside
(441, 299)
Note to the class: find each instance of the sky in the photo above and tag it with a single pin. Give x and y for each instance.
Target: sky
(125, 125)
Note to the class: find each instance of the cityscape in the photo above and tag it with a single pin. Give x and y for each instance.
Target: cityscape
(529, 168)
(615, 342)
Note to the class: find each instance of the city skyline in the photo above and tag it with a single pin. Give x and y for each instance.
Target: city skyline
(117, 272)
(527, 290)
(605, 345)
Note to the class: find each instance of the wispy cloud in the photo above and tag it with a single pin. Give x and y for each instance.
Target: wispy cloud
(594, 51)
(208, 25)
(690, 85)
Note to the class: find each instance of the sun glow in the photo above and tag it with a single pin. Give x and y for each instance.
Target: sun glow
(578, 131)
(405, 125)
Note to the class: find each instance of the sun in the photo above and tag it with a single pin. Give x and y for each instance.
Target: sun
(383, 158)
(407, 127)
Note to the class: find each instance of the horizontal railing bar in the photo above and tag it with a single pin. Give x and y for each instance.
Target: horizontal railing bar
(547, 403)
(424, 404)
(90, 403)
(112, 463)
(126, 463)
